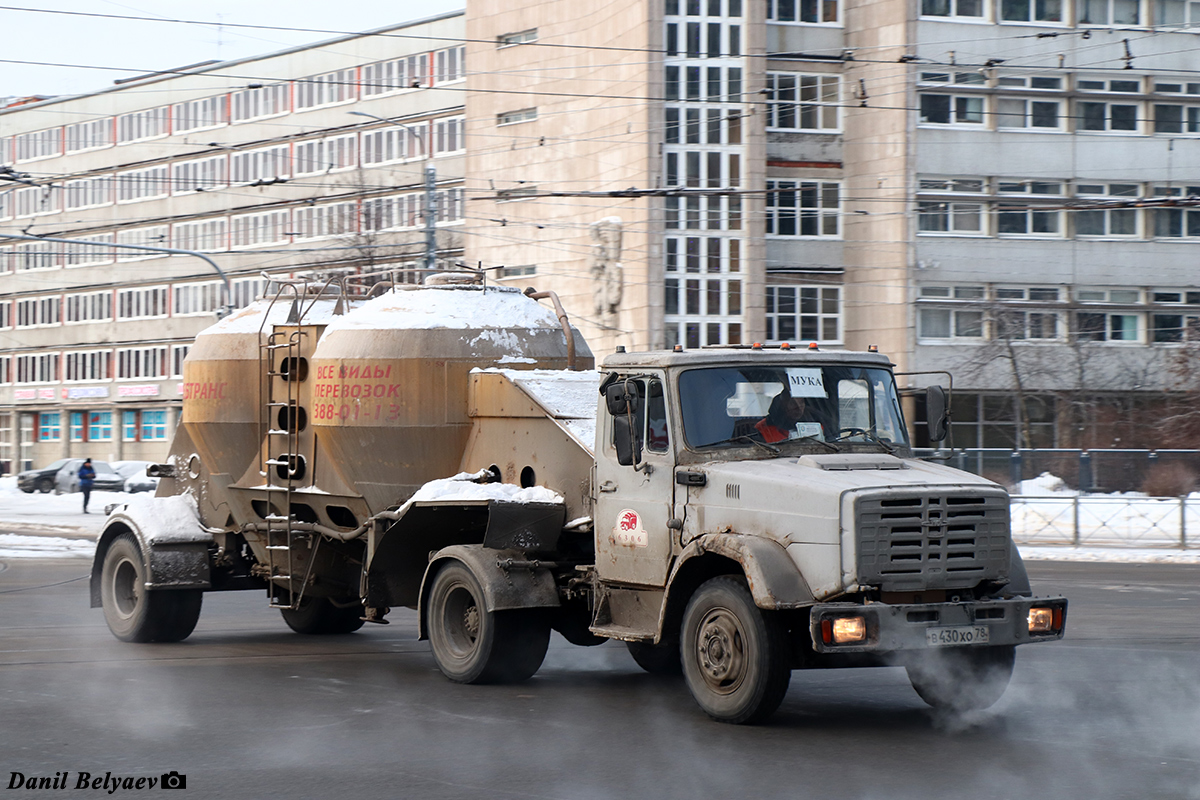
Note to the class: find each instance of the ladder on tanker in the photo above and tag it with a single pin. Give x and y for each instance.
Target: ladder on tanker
(280, 362)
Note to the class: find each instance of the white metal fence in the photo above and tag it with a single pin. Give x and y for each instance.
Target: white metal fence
(1146, 522)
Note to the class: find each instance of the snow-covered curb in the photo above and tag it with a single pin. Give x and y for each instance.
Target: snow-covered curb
(1110, 555)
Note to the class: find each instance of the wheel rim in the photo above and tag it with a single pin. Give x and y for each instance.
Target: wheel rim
(125, 588)
(721, 651)
(461, 620)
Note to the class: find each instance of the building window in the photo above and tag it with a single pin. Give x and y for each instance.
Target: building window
(86, 366)
(89, 135)
(1105, 327)
(962, 217)
(129, 425)
(199, 175)
(209, 234)
(38, 312)
(99, 426)
(1107, 12)
(141, 363)
(153, 236)
(33, 201)
(947, 323)
(77, 428)
(327, 155)
(49, 426)
(1110, 117)
(197, 115)
(142, 184)
(264, 101)
(450, 65)
(703, 291)
(1013, 324)
(141, 125)
(811, 11)
(154, 424)
(1018, 113)
(945, 109)
(803, 209)
(1176, 223)
(802, 102)
(448, 135)
(140, 303)
(252, 230)
(513, 117)
(519, 37)
(38, 144)
(196, 298)
(327, 89)
(1028, 220)
(392, 144)
(263, 164)
(87, 192)
(517, 272)
(1109, 222)
(1031, 10)
(952, 8)
(385, 77)
(331, 219)
(41, 368)
(1176, 118)
(804, 313)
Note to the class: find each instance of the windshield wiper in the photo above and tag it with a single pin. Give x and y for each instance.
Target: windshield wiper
(770, 448)
(874, 437)
(833, 448)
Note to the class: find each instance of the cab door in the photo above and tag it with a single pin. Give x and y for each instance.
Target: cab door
(634, 501)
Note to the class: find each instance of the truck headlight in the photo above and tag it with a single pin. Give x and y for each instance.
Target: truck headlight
(1041, 620)
(849, 629)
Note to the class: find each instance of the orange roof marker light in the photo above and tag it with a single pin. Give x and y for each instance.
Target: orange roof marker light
(813, 346)
(872, 348)
(785, 346)
(756, 346)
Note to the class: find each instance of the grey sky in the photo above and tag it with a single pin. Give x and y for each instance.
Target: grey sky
(138, 46)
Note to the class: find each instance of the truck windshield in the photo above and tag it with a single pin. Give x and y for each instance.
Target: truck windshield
(776, 404)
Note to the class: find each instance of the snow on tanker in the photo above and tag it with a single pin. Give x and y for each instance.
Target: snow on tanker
(733, 514)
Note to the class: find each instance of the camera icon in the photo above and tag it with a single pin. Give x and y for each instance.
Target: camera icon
(173, 780)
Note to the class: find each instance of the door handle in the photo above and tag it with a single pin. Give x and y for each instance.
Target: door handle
(608, 487)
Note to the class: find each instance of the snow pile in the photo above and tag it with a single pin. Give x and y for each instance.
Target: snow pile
(14, 545)
(250, 319)
(1044, 485)
(468, 307)
(568, 396)
(166, 519)
(51, 513)
(463, 487)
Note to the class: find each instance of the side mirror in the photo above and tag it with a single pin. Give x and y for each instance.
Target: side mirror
(937, 412)
(619, 401)
(626, 442)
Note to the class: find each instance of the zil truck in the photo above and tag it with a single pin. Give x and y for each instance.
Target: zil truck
(732, 514)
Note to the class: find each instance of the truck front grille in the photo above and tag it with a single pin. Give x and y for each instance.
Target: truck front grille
(945, 540)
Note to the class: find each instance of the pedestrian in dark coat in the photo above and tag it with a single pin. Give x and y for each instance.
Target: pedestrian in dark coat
(87, 476)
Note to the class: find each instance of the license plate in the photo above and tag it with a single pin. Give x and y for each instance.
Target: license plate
(970, 634)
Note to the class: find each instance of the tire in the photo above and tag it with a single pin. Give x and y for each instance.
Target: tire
(962, 679)
(473, 645)
(657, 659)
(734, 655)
(135, 614)
(45, 485)
(317, 616)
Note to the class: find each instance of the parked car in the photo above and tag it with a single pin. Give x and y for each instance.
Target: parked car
(107, 479)
(41, 480)
(136, 479)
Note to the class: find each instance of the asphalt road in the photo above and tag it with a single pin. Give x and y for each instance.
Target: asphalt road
(247, 709)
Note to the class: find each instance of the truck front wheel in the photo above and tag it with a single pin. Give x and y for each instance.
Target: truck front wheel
(473, 645)
(962, 679)
(135, 614)
(734, 655)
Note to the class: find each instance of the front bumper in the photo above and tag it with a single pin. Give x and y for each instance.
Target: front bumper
(908, 627)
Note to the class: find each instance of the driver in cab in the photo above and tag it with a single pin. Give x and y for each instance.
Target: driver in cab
(783, 417)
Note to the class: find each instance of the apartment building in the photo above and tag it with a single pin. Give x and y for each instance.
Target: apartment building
(313, 160)
(994, 187)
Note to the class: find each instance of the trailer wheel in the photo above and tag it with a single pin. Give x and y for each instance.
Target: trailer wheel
(734, 655)
(135, 614)
(317, 616)
(473, 645)
(657, 659)
(962, 679)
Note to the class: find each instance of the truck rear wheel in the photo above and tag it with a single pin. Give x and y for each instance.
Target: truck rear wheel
(318, 616)
(473, 645)
(135, 614)
(734, 655)
(962, 679)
